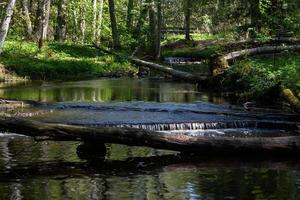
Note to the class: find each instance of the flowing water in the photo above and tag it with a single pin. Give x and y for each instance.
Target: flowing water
(52, 170)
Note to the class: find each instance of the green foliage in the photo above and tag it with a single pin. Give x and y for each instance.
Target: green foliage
(61, 61)
(258, 74)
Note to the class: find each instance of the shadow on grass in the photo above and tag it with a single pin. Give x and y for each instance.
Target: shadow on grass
(76, 50)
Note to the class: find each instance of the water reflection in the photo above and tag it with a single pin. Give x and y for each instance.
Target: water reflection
(200, 179)
(106, 90)
(196, 180)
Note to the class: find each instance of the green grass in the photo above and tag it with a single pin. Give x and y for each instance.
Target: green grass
(258, 74)
(192, 52)
(170, 38)
(61, 61)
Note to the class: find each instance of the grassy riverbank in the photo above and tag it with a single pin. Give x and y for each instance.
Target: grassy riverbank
(61, 61)
(252, 76)
(257, 75)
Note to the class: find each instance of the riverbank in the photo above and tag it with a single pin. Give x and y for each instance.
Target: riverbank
(62, 62)
(254, 77)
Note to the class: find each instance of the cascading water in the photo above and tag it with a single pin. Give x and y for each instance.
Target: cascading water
(195, 118)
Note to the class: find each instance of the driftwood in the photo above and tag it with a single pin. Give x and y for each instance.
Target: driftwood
(220, 64)
(158, 67)
(140, 137)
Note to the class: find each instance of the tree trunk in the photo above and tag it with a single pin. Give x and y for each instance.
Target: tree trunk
(46, 5)
(140, 137)
(82, 23)
(61, 28)
(129, 15)
(5, 22)
(152, 30)
(114, 28)
(291, 99)
(254, 17)
(27, 20)
(99, 23)
(94, 23)
(75, 17)
(158, 30)
(188, 12)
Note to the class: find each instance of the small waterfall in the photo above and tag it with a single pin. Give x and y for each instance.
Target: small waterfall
(207, 125)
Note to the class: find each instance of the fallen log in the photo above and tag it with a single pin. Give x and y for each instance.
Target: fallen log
(220, 64)
(291, 99)
(140, 137)
(158, 67)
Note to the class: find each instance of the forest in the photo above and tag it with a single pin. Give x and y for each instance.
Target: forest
(149, 99)
(54, 40)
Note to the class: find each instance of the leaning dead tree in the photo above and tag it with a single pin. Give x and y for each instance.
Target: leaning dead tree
(161, 140)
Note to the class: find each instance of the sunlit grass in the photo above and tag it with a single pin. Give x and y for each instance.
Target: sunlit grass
(61, 61)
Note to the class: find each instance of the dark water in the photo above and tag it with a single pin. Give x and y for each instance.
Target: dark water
(52, 170)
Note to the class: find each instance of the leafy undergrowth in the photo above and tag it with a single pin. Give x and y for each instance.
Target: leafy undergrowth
(258, 75)
(61, 61)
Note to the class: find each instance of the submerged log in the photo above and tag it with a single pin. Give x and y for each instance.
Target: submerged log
(220, 63)
(158, 67)
(160, 140)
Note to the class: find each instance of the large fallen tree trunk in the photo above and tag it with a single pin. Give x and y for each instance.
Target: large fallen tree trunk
(291, 99)
(158, 67)
(220, 64)
(160, 140)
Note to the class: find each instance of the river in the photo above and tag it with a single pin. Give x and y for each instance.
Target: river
(52, 170)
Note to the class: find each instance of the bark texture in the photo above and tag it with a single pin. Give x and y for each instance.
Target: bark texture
(5, 22)
(114, 27)
(61, 29)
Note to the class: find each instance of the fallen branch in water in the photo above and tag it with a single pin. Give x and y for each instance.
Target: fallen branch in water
(160, 140)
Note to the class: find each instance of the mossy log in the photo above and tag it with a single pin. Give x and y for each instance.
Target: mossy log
(220, 63)
(160, 140)
(291, 99)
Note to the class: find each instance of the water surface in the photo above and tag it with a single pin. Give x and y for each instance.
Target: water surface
(52, 170)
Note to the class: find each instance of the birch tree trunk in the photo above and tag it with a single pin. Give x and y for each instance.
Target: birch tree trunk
(27, 19)
(6, 22)
(75, 17)
(82, 23)
(94, 23)
(99, 25)
(46, 4)
(114, 28)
